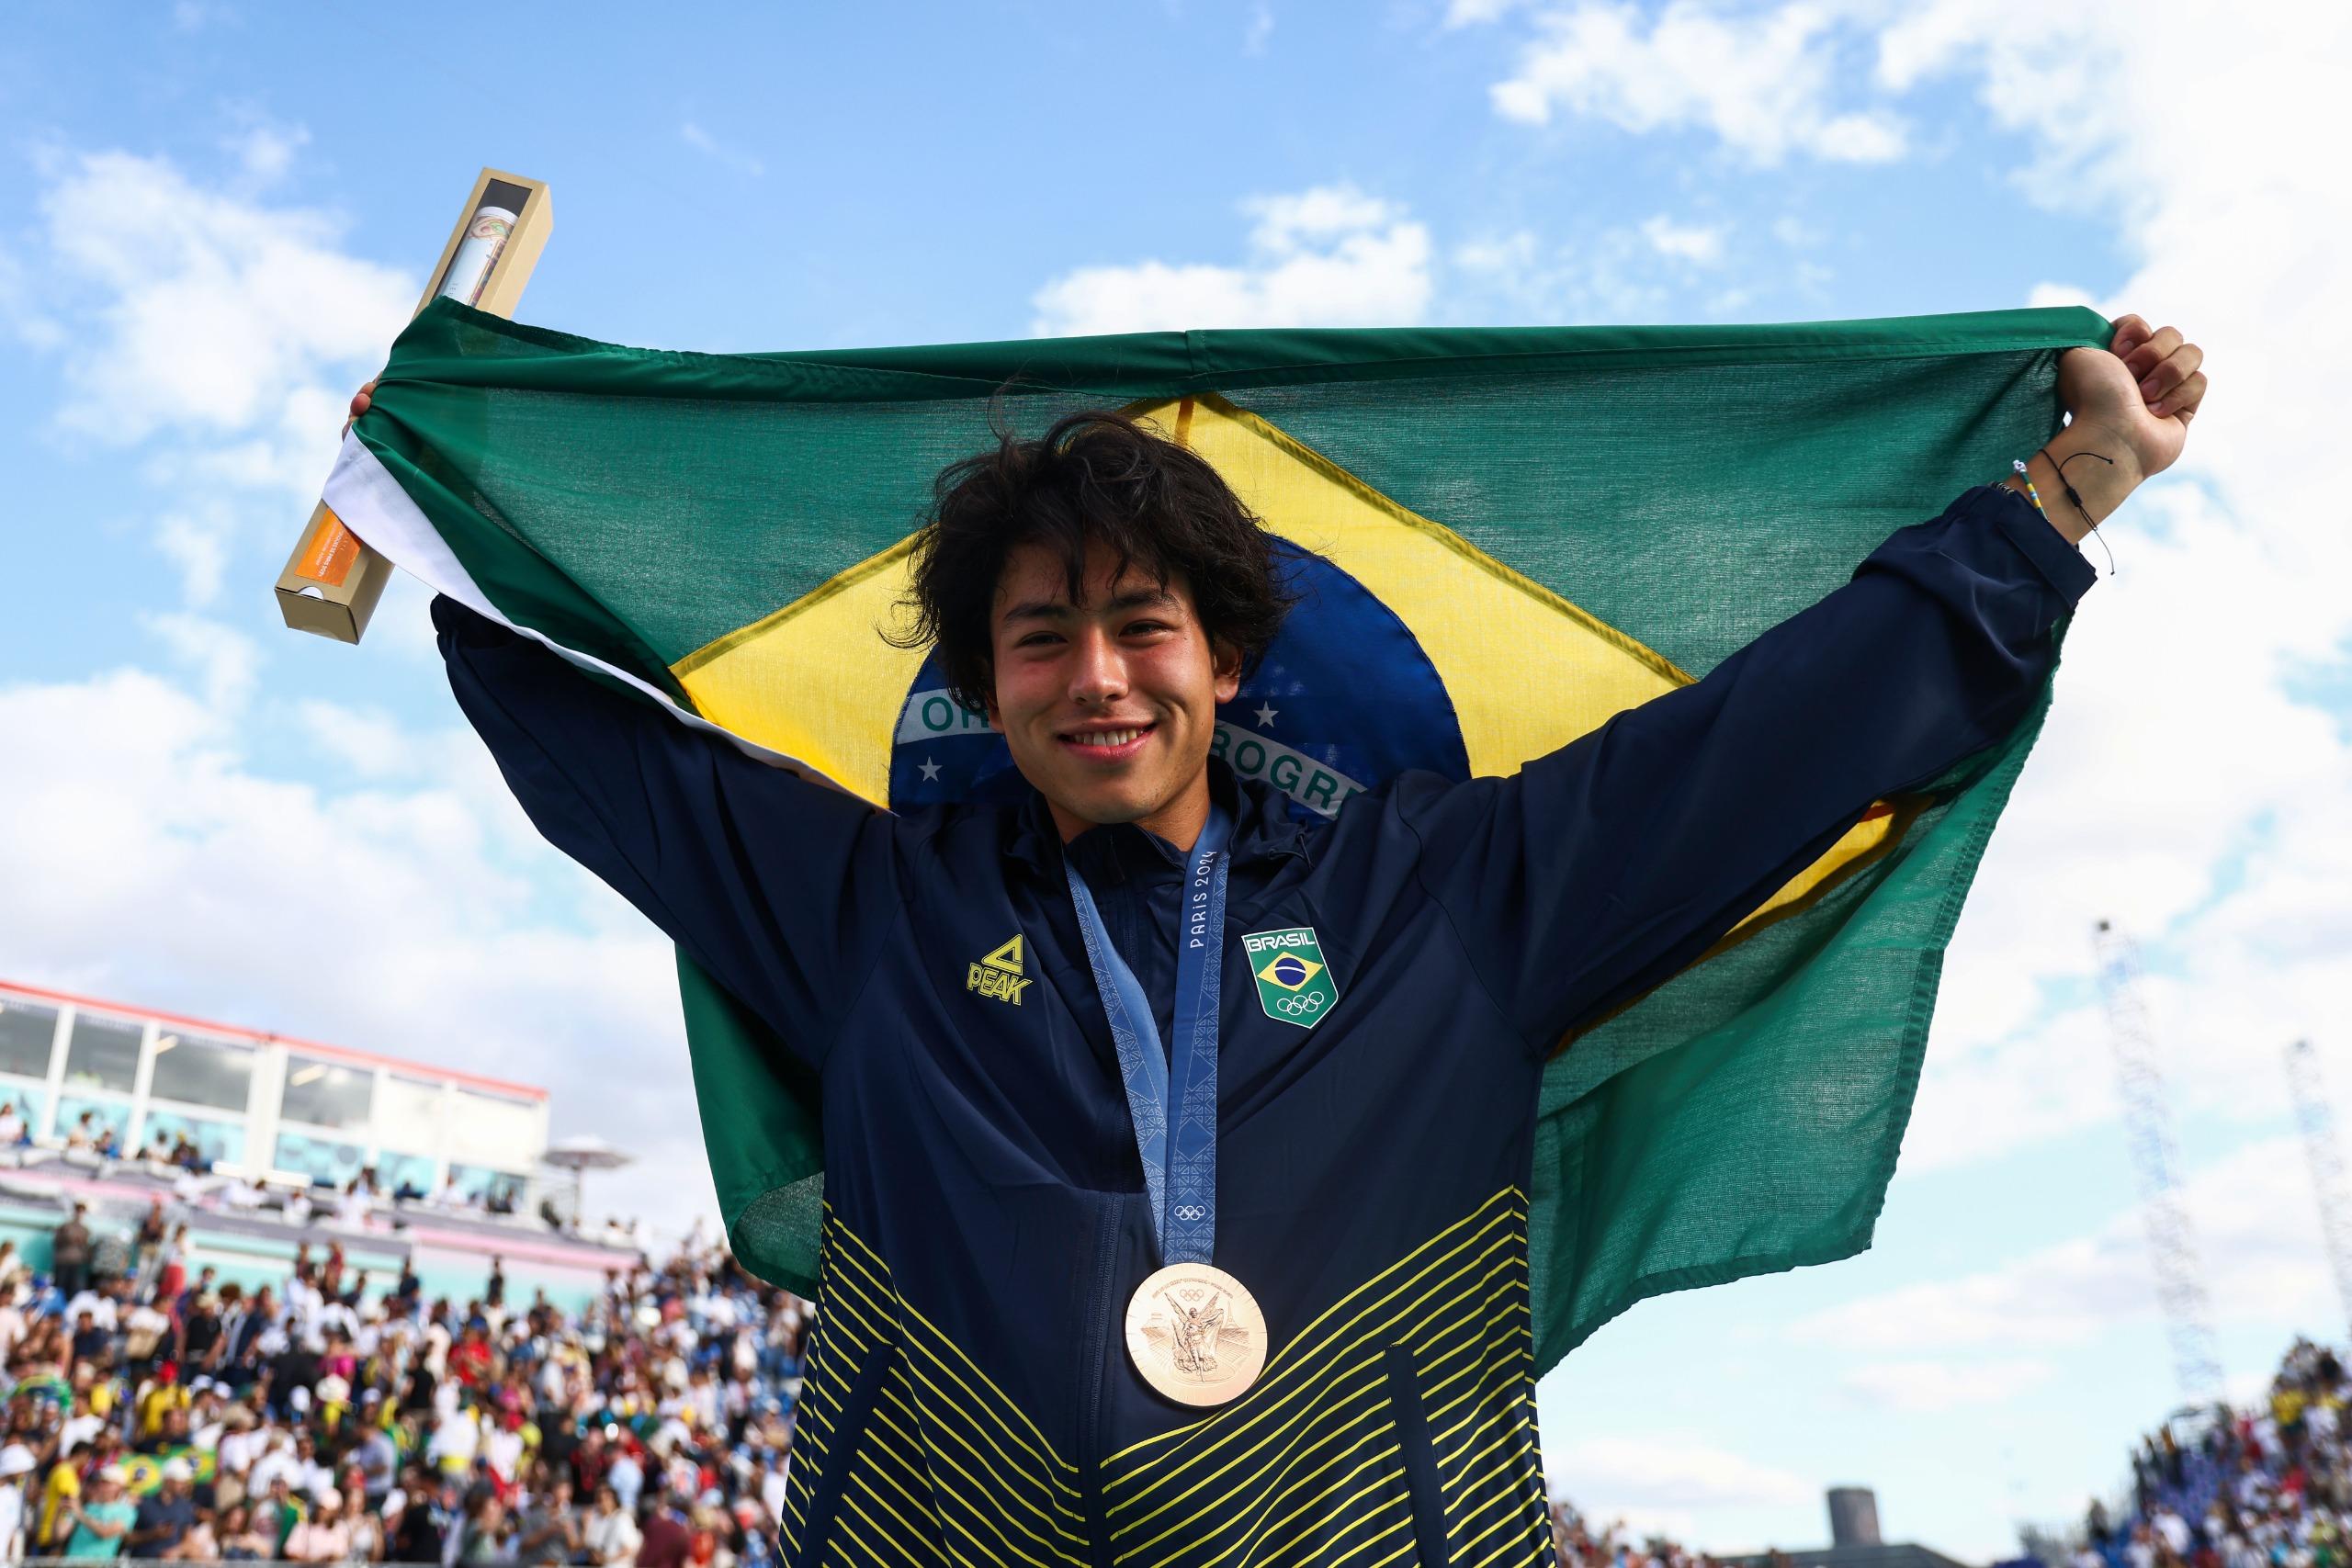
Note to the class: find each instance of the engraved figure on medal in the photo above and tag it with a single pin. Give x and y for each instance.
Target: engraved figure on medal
(1195, 1334)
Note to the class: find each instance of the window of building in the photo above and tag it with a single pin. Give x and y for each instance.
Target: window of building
(321, 1159)
(479, 1184)
(214, 1140)
(106, 1117)
(396, 1173)
(482, 1127)
(30, 1101)
(103, 1052)
(410, 1112)
(26, 1030)
(199, 1071)
(326, 1094)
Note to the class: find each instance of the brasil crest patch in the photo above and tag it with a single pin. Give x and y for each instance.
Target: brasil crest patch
(1294, 985)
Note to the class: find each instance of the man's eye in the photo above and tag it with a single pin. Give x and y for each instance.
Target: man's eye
(1038, 639)
(1136, 628)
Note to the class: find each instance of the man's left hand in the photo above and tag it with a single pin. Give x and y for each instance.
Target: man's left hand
(2142, 392)
(2130, 405)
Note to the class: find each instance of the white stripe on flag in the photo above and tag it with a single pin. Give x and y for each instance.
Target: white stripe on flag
(373, 505)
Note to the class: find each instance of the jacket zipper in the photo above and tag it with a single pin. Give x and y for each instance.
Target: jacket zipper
(848, 1434)
(1420, 1455)
(1093, 1387)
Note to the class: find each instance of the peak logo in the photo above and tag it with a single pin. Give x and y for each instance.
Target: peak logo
(1001, 974)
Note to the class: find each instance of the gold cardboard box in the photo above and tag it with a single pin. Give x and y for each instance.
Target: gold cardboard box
(333, 579)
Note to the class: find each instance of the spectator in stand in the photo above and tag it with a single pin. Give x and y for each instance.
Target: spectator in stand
(70, 1254)
(668, 1542)
(486, 1535)
(103, 1522)
(550, 1532)
(2263, 1488)
(14, 1130)
(200, 1544)
(17, 1463)
(239, 1542)
(612, 1536)
(163, 1520)
(324, 1535)
(542, 1429)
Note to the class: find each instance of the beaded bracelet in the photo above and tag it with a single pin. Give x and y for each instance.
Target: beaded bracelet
(2031, 495)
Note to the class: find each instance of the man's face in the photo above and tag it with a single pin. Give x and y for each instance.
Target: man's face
(1108, 704)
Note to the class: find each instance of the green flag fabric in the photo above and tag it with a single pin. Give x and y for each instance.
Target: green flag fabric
(1567, 521)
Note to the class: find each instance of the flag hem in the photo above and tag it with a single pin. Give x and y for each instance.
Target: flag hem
(366, 497)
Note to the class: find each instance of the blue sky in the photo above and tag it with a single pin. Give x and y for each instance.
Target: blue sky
(214, 216)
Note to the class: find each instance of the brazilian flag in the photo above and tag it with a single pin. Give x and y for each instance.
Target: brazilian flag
(1502, 537)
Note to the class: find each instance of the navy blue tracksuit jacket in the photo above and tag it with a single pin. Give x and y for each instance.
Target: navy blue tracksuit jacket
(970, 1399)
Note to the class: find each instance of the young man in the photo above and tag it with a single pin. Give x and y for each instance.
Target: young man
(1051, 1240)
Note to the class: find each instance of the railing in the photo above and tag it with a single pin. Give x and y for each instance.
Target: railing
(276, 1189)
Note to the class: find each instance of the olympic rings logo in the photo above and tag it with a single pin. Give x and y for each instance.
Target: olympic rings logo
(1191, 1212)
(1301, 1005)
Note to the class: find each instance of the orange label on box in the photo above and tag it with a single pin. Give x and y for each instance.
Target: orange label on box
(331, 550)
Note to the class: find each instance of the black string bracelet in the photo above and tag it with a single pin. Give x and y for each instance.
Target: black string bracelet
(2076, 496)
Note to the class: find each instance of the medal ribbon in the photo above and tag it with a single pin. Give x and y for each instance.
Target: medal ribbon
(1179, 1170)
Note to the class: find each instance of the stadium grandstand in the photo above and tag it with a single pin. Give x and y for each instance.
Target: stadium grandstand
(261, 1146)
(2263, 1484)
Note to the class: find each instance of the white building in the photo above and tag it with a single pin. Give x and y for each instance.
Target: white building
(262, 1102)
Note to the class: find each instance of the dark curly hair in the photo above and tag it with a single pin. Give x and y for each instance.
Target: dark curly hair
(1098, 477)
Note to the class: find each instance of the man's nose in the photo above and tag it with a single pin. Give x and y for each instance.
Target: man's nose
(1100, 674)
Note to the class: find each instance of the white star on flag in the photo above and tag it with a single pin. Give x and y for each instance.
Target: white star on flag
(929, 770)
(1266, 715)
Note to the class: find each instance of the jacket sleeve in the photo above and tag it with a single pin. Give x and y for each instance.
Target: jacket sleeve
(783, 889)
(1601, 870)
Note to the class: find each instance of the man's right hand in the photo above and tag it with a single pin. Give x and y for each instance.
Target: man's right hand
(361, 401)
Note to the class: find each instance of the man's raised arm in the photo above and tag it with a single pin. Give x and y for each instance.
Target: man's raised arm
(1603, 869)
(783, 890)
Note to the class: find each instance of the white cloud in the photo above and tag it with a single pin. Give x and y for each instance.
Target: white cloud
(267, 150)
(173, 871)
(223, 660)
(1331, 255)
(1929, 1387)
(199, 550)
(367, 741)
(199, 311)
(1663, 1481)
(2257, 1233)
(407, 908)
(2182, 787)
(1626, 273)
(1764, 83)
(710, 147)
(1469, 13)
(1701, 245)
(1261, 28)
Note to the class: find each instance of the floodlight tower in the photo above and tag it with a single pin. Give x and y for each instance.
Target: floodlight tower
(2156, 1159)
(2317, 1121)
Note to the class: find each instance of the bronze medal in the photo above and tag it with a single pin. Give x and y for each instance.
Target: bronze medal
(1195, 1334)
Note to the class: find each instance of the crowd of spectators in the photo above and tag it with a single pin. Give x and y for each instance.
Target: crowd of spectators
(152, 1411)
(1579, 1541)
(2266, 1486)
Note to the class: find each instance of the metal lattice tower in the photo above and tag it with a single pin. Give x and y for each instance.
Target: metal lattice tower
(2317, 1121)
(2156, 1159)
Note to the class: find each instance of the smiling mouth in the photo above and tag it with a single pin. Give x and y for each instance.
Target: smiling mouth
(1107, 745)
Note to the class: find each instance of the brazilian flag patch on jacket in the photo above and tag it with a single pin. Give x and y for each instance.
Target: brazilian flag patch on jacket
(1295, 985)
